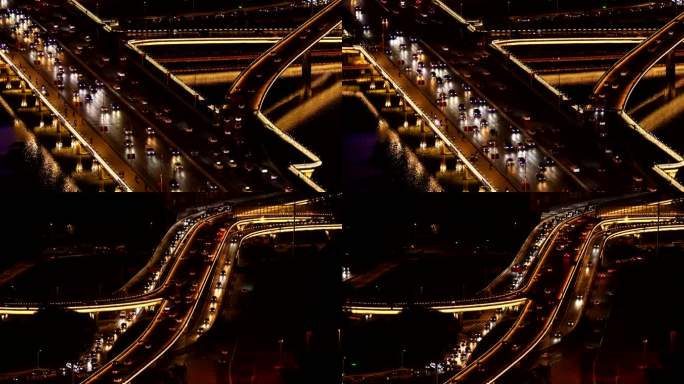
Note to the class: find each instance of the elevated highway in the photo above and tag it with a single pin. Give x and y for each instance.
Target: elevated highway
(247, 93)
(582, 233)
(203, 248)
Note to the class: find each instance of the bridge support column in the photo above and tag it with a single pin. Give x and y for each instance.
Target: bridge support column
(670, 76)
(306, 73)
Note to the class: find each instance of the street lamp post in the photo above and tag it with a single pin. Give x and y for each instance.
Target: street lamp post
(38, 358)
(644, 342)
(403, 350)
(280, 351)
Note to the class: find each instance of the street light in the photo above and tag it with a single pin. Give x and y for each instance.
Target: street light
(38, 358)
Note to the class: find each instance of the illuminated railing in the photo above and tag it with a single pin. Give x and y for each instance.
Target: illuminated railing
(91, 15)
(542, 31)
(455, 15)
(500, 45)
(302, 170)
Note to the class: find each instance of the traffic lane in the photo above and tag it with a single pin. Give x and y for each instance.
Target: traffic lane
(185, 296)
(465, 144)
(496, 139)
(95, 58)
(92, 113)
(482, 79)
(537, 315)
(568, 270)
(434, 36)
(616, 87)
(113, 125)
(184, 112)
(518, 339)
(166, 325)
(259, 76)
(90, 134)
(573, 309)
(181, 268)
(535, 172)
(551, 132)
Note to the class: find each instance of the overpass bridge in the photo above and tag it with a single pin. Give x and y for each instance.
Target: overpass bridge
(616, 85)
(150, 285)
(541, 242)
(552, 283)
(219, 231)
(613, 89)
(538, 317)
(247, 93)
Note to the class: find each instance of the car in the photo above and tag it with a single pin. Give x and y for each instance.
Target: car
(149, 131)
(128, 143)
(149, 151)
(173, 184)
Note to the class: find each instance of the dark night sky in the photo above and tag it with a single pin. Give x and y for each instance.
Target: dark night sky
(101, 217)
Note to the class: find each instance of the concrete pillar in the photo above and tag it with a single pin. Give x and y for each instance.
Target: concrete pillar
(670, 76)
(306, 73)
